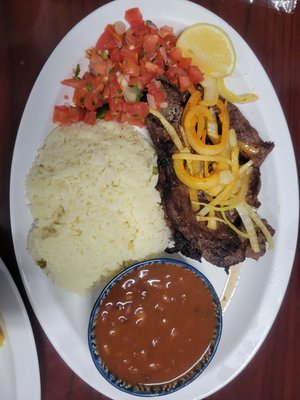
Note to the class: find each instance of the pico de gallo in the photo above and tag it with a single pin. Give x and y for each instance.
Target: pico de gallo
(122, 80)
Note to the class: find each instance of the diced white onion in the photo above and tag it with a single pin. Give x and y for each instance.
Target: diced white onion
(120, 27)
(225, 176)
(151, 101)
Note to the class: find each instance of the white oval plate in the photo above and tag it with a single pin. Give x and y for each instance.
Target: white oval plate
(19, 367)
(248, 319)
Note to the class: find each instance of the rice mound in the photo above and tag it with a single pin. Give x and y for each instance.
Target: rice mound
(95, 207)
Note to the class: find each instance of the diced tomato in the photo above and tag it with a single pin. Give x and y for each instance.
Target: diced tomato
(146, 77)
(87, 75)
(173, 73)
(136, 121)
(115, 104)
(132, 40)
(89, 96)
(175, 54)
(139, 54)
(160, 58)
(115, 98)
(150, 45)
(108, 116)
(92, 101)
(138, 110)
(109, 39)
(195, 74)
(152, 87)
(98, 66)
(134, 16)
(184, 63)
(179, 77)
(67, 114)
(127, 54)
(78, 97)
(155, 90)
(74, 83)
(115, 89)
(131, 68)
(141, 30)
(165, 30)
(88, 82)
(130, 64)
(167, 38)
(184, 82)
(93, 84)
(115, 56)
(135, 82)
(123, 117)
(90, 117)
(153, 68)
(105, 93)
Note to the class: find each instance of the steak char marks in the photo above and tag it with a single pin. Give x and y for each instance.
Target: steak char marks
(222, 246)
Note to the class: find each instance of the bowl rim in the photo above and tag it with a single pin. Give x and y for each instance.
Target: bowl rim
(115, 381)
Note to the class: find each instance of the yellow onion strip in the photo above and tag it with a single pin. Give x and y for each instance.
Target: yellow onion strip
(192, 118)
(227, 94)
(248, 224)
(170, 129)
(233, 227)
(191, 181)
(199, 157)
(227, 191)
(261, 226)
(194, 199)
(193, 100)
(211, 91)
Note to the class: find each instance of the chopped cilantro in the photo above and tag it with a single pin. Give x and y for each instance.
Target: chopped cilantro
(138, 92)
(100, 112)
(155, 170)
(105, 54)
(42, 263)
(89, 87)
(142, 53)
(77, 72)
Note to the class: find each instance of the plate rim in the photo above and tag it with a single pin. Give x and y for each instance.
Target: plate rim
(124, 5)
(25, 389)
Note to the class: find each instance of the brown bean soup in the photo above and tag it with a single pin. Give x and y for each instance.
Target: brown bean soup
(155, 324)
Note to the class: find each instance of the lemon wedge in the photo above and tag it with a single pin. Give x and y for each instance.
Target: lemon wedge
(210, 48)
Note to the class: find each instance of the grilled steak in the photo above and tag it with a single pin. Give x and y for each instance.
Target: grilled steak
(222, 246)
(252, 146)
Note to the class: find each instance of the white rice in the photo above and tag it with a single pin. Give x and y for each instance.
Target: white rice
(93, 199)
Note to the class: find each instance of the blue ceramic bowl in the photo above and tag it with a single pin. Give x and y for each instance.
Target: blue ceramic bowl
(159, 389)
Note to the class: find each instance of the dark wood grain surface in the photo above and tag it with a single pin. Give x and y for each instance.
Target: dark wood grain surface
(29, 31)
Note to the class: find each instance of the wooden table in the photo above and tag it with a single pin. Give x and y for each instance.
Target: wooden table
(29, 31)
